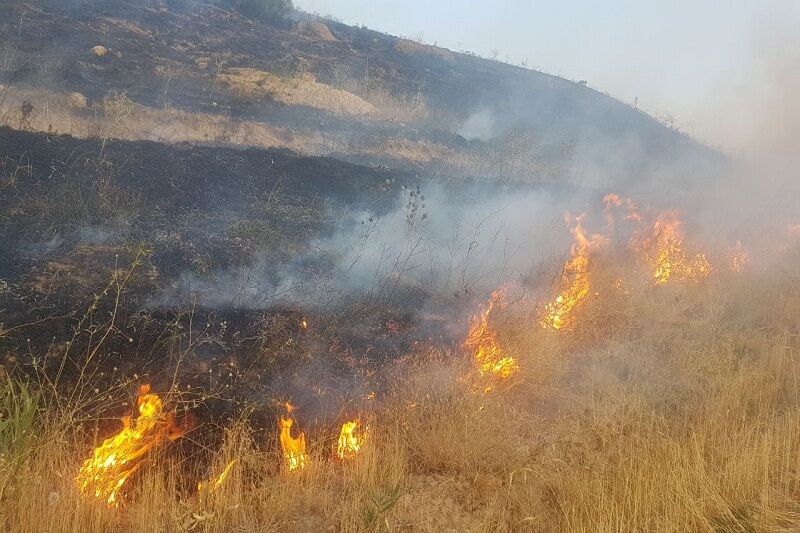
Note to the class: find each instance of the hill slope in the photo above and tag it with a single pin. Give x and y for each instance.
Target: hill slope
(318, 87)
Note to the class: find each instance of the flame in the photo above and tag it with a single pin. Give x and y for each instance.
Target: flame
(738, 257)
(212, 485)
(113, 462)
(348, 444)
(664, 254)
(482, 340)
(294, 450)
(614, 201)
(575, 278)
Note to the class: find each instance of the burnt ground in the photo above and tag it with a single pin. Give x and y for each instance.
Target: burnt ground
(132, 254)
(89, 231)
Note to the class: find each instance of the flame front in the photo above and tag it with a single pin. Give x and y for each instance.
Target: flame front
(348, 444)
(482, 340)
(294, 450)
(575, 279)
(113, 462)
(665, 256)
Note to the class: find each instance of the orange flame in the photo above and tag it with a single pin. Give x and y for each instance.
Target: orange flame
(575, 278)
(212, 485)
(664, 254)
(348, 444)
(113, 462)
(482, 341)
(614, 201)
(294, 450)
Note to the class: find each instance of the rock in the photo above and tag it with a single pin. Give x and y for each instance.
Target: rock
(99, 50)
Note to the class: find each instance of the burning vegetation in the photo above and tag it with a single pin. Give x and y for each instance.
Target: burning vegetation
(429, 423)
(575, 278)
(663, 252)
(482, 342)
(212, 485)
(113, 462)
(660, 249)
(590, 363)
(295, 458)
(349, 443)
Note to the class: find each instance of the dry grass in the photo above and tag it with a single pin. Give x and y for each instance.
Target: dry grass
(413, 47)
(297, 90)
(58, 113)
(672, 409)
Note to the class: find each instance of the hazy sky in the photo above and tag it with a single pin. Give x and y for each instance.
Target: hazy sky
(683, 58)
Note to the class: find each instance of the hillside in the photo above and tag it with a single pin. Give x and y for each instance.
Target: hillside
(201, 73)
(303, 276)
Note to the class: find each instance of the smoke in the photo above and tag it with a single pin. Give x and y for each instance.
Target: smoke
(438, 240)
(758, 121)
(454, 239)
(754, 113)
(479, 125)
(449, 239)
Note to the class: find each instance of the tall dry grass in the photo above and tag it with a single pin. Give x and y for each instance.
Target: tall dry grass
(673, 408)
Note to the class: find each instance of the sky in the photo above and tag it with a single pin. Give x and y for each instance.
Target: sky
(701, 65)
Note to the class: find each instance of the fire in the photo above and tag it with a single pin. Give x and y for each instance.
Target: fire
(482, 341)
(575, 279)
(664, 254)
(348, 444)
(614, 201)
(104, 474)
(214, 484)
(294, 450)
(738, 257)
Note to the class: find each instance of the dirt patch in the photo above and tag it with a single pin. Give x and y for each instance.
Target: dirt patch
(316, 30)
(304, 90)
(412, 47)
